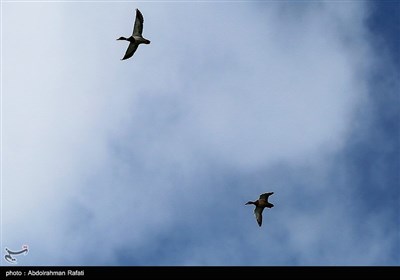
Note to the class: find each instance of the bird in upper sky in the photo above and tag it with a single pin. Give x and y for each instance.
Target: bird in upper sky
(260, 204)
(136, 39)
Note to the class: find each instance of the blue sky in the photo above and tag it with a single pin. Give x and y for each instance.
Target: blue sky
(150, 161)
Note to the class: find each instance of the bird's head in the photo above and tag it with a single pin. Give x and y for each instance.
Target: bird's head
(122, 38)
(250, 202)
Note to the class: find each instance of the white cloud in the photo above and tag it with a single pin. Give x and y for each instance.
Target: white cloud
(107, 155)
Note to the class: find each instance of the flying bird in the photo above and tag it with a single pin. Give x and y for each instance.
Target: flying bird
(260, 204)
(136, 39)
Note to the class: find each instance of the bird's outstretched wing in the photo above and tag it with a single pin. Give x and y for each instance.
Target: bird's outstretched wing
(266, 195)
(138, 26)
(130, 51)
(258, 213)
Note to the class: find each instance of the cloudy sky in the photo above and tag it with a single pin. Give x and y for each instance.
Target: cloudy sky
(149, 161)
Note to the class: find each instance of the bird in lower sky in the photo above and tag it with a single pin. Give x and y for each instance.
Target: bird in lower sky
(136, 39)
(260, 204)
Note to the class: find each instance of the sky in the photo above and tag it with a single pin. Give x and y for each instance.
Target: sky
(150, 161)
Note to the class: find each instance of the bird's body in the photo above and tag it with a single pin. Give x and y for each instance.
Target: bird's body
(260, 204)
(136, 39)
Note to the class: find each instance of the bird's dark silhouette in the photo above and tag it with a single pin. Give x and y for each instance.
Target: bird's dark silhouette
(260, 204)
(136, 39)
